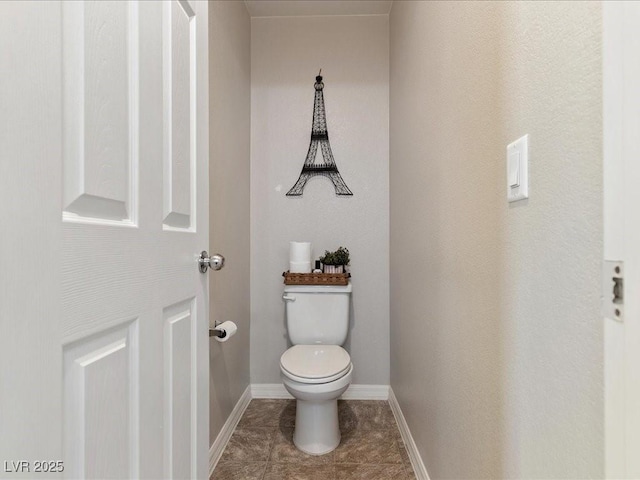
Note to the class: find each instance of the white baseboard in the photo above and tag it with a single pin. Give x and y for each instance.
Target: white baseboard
(354, 392)
(269, 390)
(219, 444)
(366, 392)
(416, 460)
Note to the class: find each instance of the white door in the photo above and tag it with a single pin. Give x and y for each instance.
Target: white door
(103, 188)
(621, 121)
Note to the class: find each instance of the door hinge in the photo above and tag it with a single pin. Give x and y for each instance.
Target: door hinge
(613, 290)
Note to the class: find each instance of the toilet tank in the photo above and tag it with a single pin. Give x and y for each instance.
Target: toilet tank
(317, 314)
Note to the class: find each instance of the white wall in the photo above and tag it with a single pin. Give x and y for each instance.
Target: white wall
(230, 77)
(496, 347)
(286, 54)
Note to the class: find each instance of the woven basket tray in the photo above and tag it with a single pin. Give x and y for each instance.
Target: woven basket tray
(316, 278)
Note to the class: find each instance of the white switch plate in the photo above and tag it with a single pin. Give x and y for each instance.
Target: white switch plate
(518, 169)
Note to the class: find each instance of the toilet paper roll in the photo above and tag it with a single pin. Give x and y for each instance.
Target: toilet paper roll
(230, 328)
(299, 252)
(300, 267)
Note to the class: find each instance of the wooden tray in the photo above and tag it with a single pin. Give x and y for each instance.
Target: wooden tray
(316, 278)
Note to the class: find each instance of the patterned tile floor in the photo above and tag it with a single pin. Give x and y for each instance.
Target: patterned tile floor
(261, 447)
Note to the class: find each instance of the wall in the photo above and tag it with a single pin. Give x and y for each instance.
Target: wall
(496, 345)
(286, 54)
(230, 77)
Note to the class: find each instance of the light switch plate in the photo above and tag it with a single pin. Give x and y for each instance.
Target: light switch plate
(518, 169)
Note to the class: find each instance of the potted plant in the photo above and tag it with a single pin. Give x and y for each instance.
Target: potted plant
(335, 262)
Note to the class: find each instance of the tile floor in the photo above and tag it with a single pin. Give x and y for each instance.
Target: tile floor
(261, 447)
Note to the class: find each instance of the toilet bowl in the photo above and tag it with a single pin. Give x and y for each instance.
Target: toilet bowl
(316, 375)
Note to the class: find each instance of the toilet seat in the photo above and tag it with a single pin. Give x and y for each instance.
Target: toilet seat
(315, 381)
(315, 364)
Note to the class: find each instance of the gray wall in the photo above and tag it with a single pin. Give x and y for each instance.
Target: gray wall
(496, 345)
(230, 77)
(286, 54)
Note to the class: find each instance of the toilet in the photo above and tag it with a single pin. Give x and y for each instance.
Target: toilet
(316, 370)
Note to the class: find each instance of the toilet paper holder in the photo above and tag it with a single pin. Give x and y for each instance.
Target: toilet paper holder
(217, 332)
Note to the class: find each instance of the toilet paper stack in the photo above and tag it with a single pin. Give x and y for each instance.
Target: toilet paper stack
(300, 257)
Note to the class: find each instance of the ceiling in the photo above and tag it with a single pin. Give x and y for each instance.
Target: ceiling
(298, 8)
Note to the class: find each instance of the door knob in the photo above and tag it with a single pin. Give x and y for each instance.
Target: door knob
(215, 261)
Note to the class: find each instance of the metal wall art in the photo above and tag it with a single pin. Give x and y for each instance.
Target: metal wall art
(319, 136)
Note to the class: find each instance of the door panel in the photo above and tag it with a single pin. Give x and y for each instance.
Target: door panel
(100, 110)
(180, 390)
(101, 391)
(179, 114)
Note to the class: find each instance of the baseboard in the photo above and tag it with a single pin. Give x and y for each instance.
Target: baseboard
(269, 390)
(416, 460)
(366, 392)
(219, 444)
(354, 392)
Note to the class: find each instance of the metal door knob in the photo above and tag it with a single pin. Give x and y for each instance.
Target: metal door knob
(215, 261)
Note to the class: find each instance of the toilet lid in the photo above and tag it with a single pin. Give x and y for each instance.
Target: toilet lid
(315, 361)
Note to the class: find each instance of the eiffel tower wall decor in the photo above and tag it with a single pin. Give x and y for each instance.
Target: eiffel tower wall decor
(319, 137)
